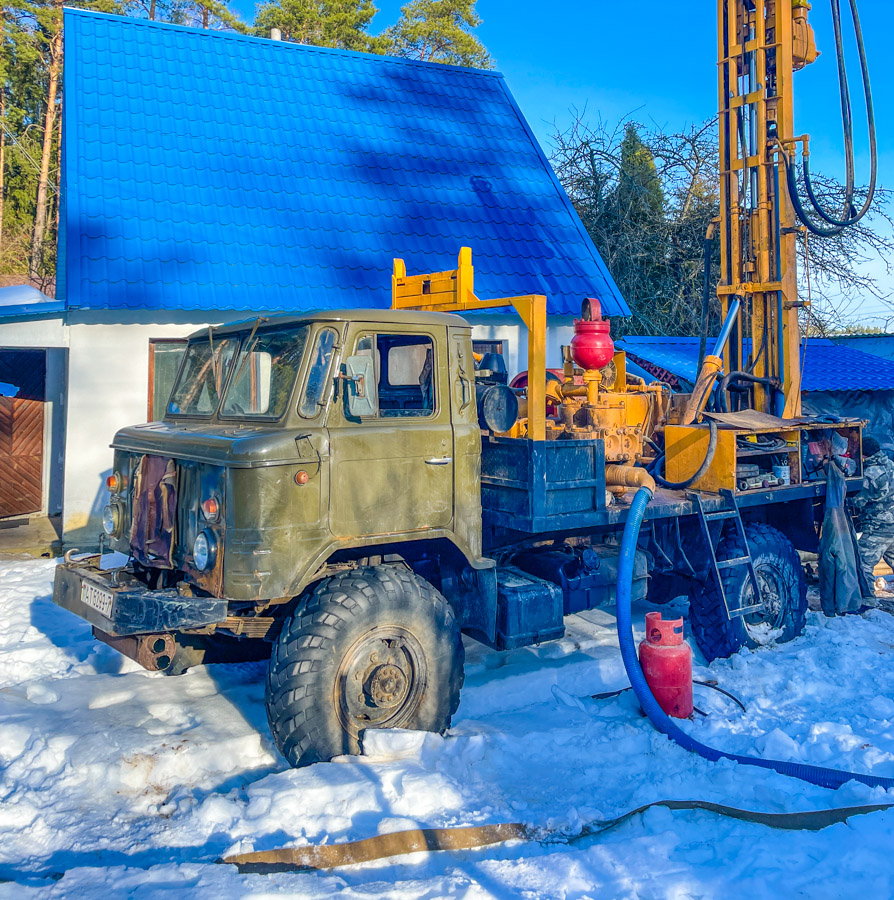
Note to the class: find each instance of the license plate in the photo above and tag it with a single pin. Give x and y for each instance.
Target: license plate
(97, 598)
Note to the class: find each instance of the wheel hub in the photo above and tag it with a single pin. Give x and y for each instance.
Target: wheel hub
(381, 680)
(764, 623)
(388, 686)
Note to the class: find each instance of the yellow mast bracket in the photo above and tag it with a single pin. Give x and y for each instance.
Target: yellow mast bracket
(454, 291)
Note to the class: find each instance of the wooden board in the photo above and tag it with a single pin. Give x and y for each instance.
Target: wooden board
(22, 433)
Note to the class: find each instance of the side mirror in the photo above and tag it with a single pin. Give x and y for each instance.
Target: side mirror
(360, 384)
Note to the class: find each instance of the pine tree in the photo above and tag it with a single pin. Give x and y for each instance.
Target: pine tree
(438, 31)
(323, 23)
(32, 70)
(212, 14)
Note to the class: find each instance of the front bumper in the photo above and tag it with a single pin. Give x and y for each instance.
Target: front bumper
(120, 605)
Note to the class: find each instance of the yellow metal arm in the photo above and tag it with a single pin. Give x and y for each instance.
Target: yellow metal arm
(454, 292)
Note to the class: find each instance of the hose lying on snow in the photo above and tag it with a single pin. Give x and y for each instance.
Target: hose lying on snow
(829, 778)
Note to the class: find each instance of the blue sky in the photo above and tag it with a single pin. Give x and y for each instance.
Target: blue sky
(656, 60)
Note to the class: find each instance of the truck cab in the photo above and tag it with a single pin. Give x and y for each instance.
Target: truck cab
(287, 440)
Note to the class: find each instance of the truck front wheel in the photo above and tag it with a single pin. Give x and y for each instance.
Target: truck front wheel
(783, 602)
(376, 647)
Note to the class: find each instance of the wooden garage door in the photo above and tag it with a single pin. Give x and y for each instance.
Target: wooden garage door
(21, 431)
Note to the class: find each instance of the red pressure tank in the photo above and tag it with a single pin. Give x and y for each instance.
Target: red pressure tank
(591, 346)
(667, 664)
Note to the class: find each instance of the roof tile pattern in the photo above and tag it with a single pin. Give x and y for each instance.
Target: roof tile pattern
(212, 171)
(827, 366)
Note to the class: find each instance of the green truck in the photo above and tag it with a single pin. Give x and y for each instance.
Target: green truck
(322, 492)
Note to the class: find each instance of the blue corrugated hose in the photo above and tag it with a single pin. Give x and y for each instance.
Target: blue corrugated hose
(829, 778)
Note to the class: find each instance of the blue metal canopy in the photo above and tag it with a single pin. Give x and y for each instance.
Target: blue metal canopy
(207, 171)
(827, 366)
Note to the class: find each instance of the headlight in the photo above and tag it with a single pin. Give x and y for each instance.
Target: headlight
(204, 551)
(111, 519)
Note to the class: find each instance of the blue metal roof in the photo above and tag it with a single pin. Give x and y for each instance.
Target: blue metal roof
(827, 366)
(211, 171)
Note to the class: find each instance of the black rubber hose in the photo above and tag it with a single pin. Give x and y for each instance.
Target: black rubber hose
(732, 377)
(849, 216)
(800, 212)
(706, 462)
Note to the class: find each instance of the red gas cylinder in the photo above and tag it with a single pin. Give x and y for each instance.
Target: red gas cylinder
(591, 346)
(667, 664)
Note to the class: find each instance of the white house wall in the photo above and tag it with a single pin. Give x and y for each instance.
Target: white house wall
(507, 327)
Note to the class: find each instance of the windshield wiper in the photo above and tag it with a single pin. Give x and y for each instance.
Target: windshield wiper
(248, 348)
(215, 371)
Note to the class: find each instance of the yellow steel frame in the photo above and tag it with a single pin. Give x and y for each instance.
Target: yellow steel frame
(454, 291)
(755, 67)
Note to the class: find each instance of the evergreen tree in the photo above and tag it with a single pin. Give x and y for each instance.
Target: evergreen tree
(20, 93)
(639, 192)
(212, 14)
(323, 23)
(438, 31)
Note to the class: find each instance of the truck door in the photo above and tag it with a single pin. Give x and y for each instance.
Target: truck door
(393, 471)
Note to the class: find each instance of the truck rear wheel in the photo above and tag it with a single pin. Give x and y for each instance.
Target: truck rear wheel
(783, 611)
(371, 648)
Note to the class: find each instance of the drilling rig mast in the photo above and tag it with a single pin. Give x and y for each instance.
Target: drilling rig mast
(761, 44)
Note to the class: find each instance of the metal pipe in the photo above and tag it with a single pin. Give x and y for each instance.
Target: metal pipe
(780, 345)
(706, 292)
(730, 320)
(710, 368)
(628, 476)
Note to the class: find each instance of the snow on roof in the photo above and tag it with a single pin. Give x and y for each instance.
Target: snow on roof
(24, 301)
(21, 294)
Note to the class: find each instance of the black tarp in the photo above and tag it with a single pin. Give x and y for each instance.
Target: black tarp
(877, 407)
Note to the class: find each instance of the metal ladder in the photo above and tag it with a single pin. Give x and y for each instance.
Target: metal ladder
(717, 566)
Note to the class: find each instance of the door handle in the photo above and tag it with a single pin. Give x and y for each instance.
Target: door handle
(440, 461)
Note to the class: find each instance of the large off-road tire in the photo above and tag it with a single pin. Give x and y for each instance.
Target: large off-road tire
(783, 593)
(377, 647)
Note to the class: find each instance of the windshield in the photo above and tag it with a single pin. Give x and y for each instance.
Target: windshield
(202, 377)
(265, 372)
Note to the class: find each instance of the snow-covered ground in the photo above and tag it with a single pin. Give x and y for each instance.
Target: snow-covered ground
(117, 781)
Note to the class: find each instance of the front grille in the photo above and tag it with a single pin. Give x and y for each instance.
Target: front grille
(154, 511)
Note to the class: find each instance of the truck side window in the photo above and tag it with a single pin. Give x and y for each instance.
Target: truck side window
(404, 373)
(312, 399)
